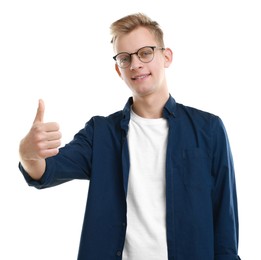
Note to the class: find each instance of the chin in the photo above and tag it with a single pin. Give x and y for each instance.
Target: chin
(144, 93)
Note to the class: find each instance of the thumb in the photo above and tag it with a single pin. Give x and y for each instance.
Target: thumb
(40, 112)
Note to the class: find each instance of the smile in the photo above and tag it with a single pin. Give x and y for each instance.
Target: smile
(140, 76)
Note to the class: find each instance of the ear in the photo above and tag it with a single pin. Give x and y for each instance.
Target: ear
(117, 70)
(168, 55)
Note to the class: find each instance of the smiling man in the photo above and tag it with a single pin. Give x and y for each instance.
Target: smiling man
(162, 183)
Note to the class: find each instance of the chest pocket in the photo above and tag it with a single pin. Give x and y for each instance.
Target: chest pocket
(196, 168)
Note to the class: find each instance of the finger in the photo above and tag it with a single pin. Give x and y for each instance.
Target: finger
(49, 152)
(40, 112)
(52, 136)
(54, 144)
(49, 148)
(51, 127)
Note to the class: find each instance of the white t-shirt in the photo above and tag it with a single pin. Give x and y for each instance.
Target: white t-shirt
(146, 197)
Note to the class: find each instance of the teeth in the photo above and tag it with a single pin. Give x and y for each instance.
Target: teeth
(140, 77)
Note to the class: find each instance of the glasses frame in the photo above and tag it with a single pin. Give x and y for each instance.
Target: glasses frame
(130, 55)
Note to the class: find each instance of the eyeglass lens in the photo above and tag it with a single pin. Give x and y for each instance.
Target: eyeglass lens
(144, 54)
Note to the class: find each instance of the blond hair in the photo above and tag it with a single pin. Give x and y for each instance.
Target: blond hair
(128, 23)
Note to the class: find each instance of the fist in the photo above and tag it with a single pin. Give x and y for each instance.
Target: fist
(43, 139)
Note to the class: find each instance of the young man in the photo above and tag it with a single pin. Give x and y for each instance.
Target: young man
(162, 182)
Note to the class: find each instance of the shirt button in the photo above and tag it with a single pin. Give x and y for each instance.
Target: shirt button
(119, 253)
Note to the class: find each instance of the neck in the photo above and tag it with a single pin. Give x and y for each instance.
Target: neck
(149, 106)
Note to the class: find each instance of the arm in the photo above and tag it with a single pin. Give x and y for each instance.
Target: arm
(41, 142)
(225, 210)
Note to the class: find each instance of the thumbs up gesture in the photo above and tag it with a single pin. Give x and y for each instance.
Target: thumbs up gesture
(43, 139)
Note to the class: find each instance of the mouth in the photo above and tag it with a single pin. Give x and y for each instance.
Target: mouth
(140, 77)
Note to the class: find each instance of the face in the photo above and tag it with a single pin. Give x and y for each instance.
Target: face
(143, 78)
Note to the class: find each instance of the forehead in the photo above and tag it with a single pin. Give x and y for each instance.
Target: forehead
(134, 40)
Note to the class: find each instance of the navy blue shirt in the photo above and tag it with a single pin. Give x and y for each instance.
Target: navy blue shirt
(202, 215)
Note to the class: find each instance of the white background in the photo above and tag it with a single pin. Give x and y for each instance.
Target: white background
(60, 51)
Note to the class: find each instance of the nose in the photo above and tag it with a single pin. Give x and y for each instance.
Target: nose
(135, 62)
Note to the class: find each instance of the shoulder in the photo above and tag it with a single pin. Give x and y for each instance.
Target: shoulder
(195, 112)
(102, 124)
(200, 119)
(109, 119)
(198, 116)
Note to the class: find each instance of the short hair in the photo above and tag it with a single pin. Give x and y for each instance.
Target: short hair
(129, 23)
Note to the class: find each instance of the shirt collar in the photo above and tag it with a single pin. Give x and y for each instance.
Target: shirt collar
(169, 108)
(168, 111)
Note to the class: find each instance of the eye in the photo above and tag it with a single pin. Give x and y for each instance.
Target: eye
(145, 53)
(123, 58)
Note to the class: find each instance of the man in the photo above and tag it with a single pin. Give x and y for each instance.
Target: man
(162, 182)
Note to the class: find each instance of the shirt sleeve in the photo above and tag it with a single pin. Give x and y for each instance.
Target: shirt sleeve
(225, 210)
(74, 161)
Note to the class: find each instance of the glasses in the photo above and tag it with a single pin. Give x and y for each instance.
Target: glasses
(145, 55)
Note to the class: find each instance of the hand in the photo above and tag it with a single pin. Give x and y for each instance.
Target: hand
(43, 139)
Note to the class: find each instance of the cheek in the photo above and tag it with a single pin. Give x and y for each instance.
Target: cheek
(156, 68)
(124, 76)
